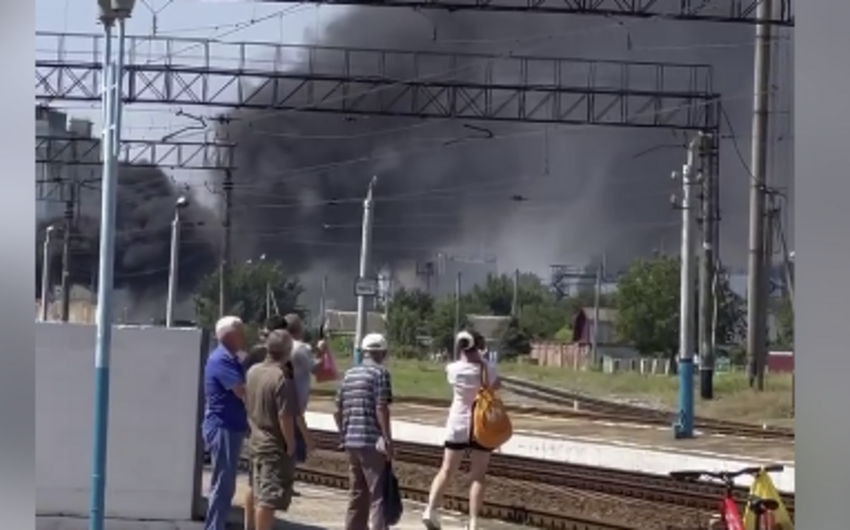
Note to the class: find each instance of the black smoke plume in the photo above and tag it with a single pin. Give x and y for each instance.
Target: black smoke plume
(532, 198)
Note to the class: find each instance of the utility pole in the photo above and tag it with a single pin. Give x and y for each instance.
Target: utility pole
(515, 295)
(173, 268)
(224, 263)
(767, 285)
(45, 272)
(365, 256)
(707, 273)
(458, 289)
(323, 301)
(756, 301)
(685, 426)
(597, 301)
(68, 222)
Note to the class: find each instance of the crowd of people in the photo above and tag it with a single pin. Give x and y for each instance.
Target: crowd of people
(255, 404)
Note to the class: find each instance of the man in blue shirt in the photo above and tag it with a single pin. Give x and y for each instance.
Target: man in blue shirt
(225, 418)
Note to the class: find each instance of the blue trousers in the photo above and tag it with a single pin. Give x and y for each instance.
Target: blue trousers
(224, 447)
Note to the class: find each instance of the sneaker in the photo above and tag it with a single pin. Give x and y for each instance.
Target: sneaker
(431, 520)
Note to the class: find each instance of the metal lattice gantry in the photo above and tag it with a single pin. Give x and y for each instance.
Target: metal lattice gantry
(172, 154)
(358, 81)
(722, 11)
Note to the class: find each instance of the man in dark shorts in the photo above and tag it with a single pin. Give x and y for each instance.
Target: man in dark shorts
(272, 406)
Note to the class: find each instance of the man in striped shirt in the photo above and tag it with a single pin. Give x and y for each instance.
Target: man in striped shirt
(363, 419)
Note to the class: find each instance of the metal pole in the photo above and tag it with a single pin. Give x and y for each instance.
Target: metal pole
(68, 217)
(597, 300)
(224, 263)
(756, 303)
(685, 426)
(112, 96)
(173, 269)
(365, 252)
(323, 304)
(706, 281)
(458, 290)
(45, 273)
(766, 287)
(515, 295)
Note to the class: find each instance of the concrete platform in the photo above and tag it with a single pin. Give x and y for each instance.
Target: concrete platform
(634, 435)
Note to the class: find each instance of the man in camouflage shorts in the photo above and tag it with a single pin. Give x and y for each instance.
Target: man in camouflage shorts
(272, 409)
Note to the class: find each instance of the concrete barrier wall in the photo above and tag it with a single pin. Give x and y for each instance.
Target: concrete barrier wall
(153, 420)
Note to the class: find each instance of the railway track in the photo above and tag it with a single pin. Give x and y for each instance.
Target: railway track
(593, 409)
(641, 486)
(636, 413)
(510, 513)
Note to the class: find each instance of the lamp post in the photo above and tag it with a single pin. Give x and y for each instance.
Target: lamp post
(45, 271)
(110, 12)
(181, 204)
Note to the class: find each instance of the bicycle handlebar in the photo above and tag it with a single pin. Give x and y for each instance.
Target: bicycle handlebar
(726, 476)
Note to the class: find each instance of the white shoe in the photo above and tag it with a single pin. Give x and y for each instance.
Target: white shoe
(431, 520)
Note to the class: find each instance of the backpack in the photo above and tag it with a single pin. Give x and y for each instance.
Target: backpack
(491, 426)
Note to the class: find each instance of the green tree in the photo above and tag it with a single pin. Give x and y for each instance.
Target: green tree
(246, 287)
(441, 327)
(407, 316)
(647, 301)
(515, 342)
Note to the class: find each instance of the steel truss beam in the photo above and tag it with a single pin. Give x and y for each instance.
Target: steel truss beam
(76, 151)
(355, 81)
(723, 11)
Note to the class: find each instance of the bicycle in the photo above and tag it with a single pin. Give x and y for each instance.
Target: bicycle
(729, 516)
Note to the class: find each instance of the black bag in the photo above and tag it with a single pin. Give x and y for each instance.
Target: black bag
(393, 507)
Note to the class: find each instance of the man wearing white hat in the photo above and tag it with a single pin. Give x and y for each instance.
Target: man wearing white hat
(363, 419)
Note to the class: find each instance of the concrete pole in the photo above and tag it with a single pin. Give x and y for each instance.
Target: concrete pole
(515, 295)
(68, 218)
(458, 294)
(365, 256)
(685, 426)
(594, 335)
(706, 280)
(111, 140)
(174, 264)
(45, 273)
(756, 302)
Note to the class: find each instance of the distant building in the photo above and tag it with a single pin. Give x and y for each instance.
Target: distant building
(583, 326)
(61, 163)
(344, 323)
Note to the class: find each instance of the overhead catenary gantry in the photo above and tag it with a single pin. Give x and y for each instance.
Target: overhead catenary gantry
(171, 154)
(723, 11)
(359, 81)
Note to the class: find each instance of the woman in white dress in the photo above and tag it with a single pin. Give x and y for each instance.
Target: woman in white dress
(464, 376)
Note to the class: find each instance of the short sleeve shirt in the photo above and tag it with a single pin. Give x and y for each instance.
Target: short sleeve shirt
(464, 378)
(364, 388)
(223, 409)
(269, 398)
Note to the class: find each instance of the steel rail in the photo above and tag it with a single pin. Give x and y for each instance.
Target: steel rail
(642, 486)
(582, 407)
(511, 513)
(566, 397)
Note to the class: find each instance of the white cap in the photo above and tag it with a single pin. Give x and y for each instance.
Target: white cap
(373, 342)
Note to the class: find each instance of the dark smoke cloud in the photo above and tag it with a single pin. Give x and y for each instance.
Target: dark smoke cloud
(589, 193)
(146, 199)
